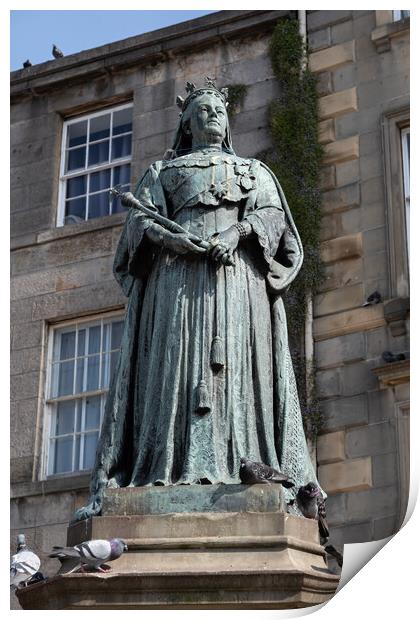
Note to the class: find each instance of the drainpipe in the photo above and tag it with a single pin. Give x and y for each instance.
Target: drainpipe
(309, 338)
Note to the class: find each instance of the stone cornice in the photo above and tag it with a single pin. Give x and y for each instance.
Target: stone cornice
(140, 50)
(393, 374)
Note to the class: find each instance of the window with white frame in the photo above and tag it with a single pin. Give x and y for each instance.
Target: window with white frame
(397, 15)
(405, 148)
(96, 155)
(82, 359)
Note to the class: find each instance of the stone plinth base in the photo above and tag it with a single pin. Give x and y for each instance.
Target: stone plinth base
(219, 558)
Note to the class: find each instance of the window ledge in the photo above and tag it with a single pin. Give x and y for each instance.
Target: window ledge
(393, 374)
(70, 230)
(382, 35)
(76, 482)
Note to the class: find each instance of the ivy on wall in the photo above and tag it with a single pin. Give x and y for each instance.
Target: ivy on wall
(296, 159)
(236, 98)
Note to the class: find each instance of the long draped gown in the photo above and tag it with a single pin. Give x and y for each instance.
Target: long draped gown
(178, 305)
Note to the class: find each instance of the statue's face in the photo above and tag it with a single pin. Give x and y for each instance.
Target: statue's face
(208, 120)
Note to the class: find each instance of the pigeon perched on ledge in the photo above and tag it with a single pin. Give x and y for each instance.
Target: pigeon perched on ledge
(56, 52)
(91, 554)
(24, 564)
(390, 357)
(252, 472)
(27, 64)
(374, 298)
(311, 504)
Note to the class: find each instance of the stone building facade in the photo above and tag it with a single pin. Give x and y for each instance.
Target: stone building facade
(62, 283)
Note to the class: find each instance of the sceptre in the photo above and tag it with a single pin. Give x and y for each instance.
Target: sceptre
(129, 200)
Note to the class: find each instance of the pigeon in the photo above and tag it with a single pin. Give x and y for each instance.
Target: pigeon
(251, 472)
(331, 550)
(27, 63)
(374, 298)
(389, 357)
(311, 504)
(23, 565)
(92, 553)
(56, 52)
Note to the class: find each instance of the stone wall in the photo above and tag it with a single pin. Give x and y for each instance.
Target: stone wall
(359, 448)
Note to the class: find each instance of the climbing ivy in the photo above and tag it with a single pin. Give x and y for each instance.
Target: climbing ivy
(236, 98)
(296, 159)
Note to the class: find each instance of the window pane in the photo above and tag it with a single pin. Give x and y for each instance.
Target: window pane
(92, 373)
(78, 416)
(99, 127)
(65, 381)
(121, 175)
(63, 455)
(122, 121)
(117, 328)
(77, 453)
(81, 335)
(80, 373)
(98, 153)
(100, 180)
(94, 339)
(75, 210)
(68, 341)
(91, 441)
(121, 147)
(98, 205)
(76, 159)
(76, 186)
(114, 360)
(105, 370)
(93, 413)
(76, 133)
(65, 418)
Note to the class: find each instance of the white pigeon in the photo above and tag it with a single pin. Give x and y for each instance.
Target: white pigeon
(24, 564)
(92, 553)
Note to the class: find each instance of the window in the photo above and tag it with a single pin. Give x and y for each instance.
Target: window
(405, 147)
(82, 360)
(397, 15)
(96, 155)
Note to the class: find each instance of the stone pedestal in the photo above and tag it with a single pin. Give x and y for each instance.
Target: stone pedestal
(196, 547)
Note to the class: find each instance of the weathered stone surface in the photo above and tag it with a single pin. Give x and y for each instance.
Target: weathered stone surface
(193, 498)
(341, 199)
(328, 383)
(327, 177)
(377, 341)
(384, 469)
(347, 172)
(357, 378)
(25, 385)
(342, 349)
(324, 85)
(326, 131)
(384, 527)
(374, 241)
(332, 57)
(374, 439)
(338, 103)
(349, 246)
(342, 32)
(341, 274)
(342, 150)
(344, 77)
(36, 512)
(345, 412)
(351, 533)
(27, 335)
(350, 475)
(373, 503)
(321, 19)
(348, 321)
(381, 404)
(336, 301)
(319, 39)
(340, 224)
(330, 448)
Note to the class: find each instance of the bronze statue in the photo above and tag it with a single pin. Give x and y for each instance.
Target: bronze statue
(205, 375)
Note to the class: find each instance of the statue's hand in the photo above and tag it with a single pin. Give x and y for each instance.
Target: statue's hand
(227, 242)
(180, 243)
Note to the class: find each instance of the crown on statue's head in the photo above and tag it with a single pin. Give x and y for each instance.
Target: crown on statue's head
(208, 88)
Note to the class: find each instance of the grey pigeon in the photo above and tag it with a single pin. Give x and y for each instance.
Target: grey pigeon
(92, 554)
(56, 52)
(23, 565)
(389, 357)
(311, 504)
(27, 63)
(252, 472)
(374, 298)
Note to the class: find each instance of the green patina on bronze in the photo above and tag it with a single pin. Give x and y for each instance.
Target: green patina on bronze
(205, 375)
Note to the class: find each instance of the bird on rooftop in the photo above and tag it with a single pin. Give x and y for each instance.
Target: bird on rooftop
(92, 554)
(56, 52)
(24, 564)
(390, 357)
(27, 64)
(252, 472)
